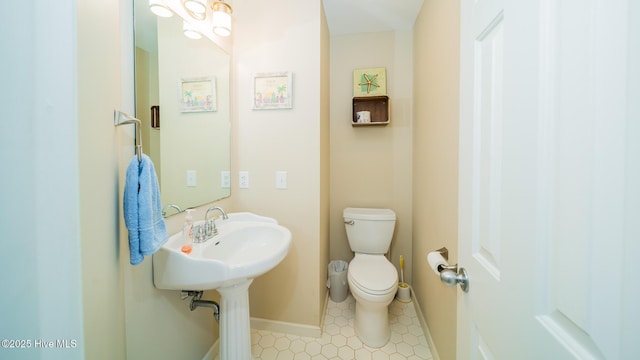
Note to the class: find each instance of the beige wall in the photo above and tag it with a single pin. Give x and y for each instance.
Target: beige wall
(124, 315)
(268, 39)
(435, 163)
(119, 298)
(325, 160)
(294, 140)
(371, 166)
(197, 141)
(99, 93)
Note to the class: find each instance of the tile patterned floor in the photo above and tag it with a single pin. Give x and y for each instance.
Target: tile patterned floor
(339, 340)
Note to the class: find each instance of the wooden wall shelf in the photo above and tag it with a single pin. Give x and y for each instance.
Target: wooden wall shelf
(377, 105)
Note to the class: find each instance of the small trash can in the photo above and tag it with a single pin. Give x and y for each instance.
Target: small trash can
(337, 282)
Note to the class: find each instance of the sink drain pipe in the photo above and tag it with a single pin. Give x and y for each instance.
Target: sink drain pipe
(197, 302)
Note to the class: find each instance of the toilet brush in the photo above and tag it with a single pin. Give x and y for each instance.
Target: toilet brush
(404, 294)
(402, 269)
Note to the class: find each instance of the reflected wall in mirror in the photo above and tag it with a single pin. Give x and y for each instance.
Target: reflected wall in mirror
(190, 149)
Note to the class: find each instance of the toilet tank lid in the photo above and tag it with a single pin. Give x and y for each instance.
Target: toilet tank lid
(369, 214)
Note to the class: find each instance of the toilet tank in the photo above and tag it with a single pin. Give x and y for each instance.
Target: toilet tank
(369, 230)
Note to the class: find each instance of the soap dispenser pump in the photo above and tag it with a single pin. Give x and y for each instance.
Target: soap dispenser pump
(187, 232)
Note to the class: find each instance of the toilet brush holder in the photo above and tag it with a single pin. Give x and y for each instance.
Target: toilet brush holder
(404, 293)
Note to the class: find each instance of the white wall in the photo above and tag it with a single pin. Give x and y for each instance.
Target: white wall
(39, 247)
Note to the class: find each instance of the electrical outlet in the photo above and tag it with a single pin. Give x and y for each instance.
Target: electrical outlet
(192, 179)
(225, 179)
(281, 179)
(243, 179)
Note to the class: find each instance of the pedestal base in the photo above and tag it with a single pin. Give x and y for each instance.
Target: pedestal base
(235, 328)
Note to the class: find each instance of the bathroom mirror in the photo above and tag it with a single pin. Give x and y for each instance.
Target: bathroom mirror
(189, 143)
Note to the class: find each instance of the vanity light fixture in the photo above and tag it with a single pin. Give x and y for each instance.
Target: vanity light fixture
(197, 18)
(159, 8)
(189, 31)
(221, 18)
(198, 7)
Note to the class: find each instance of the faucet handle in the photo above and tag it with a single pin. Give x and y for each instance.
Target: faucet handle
(210, 229)
(214, 228)
(199, 233)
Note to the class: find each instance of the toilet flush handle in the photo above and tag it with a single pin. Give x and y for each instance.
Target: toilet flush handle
(349, 222)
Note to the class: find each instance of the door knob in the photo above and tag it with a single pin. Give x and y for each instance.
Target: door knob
(450, 277)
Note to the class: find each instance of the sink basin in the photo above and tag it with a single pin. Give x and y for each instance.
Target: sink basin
(247, 246)
(247, 216)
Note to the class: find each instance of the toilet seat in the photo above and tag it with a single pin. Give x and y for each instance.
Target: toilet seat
(373, 274)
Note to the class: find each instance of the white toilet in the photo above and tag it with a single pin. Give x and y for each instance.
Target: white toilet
(373, 280)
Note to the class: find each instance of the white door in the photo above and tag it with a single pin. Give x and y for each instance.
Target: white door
(549, 197)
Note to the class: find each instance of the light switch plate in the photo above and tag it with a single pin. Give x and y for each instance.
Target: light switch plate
(192, 179)
(281, 179)
(243, 179)
(225, 179)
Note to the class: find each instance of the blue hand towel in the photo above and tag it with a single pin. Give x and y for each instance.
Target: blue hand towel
(143, 210)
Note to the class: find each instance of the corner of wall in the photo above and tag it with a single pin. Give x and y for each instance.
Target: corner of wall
(265, 141)
(435, 149)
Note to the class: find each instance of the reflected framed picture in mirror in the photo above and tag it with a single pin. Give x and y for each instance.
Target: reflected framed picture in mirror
(197, 94)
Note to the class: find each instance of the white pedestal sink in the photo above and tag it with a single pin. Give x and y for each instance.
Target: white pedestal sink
(235, 328)
(247, 246)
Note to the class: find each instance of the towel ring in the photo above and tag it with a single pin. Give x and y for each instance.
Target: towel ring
(122, 118)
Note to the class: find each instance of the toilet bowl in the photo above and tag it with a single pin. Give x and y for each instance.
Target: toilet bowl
(373, 282)
(372, 279)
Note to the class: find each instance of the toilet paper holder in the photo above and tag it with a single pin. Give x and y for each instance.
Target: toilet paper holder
(452, 275)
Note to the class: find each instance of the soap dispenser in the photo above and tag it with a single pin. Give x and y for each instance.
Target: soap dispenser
(187, 232)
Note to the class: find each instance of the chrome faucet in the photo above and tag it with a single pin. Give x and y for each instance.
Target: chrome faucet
(210, 228)
(164, 211)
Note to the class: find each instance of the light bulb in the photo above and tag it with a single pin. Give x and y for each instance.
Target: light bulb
(189, 31)
(196, 6)
(221, 24)
(221, 18)
(160, 9)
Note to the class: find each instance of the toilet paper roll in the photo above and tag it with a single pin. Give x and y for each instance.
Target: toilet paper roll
(435, 259)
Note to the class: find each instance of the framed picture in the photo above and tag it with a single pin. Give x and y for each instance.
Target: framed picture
(369, 82)
(272, 90)
(197, 94)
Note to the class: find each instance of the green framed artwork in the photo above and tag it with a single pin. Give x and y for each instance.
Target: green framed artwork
(369, 82)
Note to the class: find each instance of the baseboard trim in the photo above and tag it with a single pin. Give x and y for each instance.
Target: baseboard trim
(324, 312)
(278, 326)
(316, 332)
(286, 327)
(214, 350)
(292, 328)
(423, 324)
